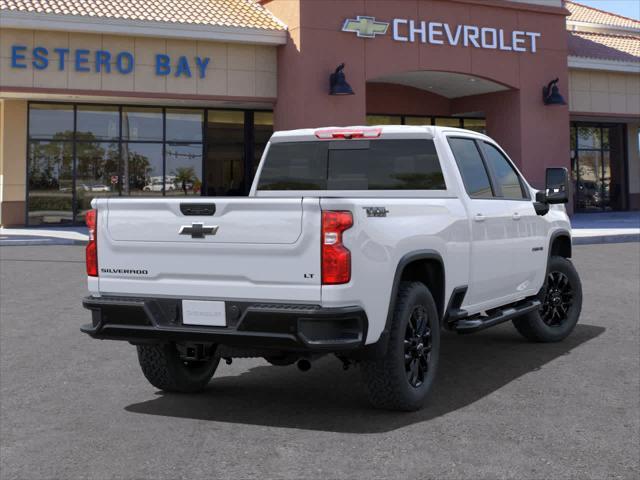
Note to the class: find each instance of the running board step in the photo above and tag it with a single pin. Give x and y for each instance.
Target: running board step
(504, 315)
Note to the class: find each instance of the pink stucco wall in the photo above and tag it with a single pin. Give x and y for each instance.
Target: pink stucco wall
(535, 135)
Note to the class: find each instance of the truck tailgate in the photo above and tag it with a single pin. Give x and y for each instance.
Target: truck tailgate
(253, 248)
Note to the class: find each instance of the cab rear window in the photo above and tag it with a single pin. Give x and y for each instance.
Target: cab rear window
(352, 165)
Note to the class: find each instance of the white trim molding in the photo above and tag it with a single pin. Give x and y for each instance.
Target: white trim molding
(588, 27)
(101, 25)
(584, 63)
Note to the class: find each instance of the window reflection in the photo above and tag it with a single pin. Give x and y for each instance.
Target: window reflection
(263, 129)
(184, 125)
(47, 121)
(225, 153)
(50, 171)
(184, 169)
(142, 124)
(97, 173)
(98, 123)
(143, 169)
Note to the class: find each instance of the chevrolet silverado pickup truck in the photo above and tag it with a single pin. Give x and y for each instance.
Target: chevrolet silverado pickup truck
(361, 242)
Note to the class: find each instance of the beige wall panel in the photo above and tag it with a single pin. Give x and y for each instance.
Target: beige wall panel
(50, 78)
(51, 40)
(177, 48)
(580, 101)
(13, 149)
(215, 83)
(633, 104)
(146, 80)
(604, 92)
(241, 83)
(85, 80)
(14, 77)
(216, 52)
(618, 102)
(599, 82)
(184, 85)
(266, 59)
(146, 50)
(600, 102)
(116, 44)
(86, 41)
(10, 37)
(115, 81)
(241, 57)
(617, 83)
(233, 69)
(266, 84)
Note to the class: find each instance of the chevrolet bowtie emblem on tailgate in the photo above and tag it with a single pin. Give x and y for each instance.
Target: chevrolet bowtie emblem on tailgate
(198, 230)
(365, 27)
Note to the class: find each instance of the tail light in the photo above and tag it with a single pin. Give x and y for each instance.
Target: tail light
(348, 133)
(336, 258)
(91, 218)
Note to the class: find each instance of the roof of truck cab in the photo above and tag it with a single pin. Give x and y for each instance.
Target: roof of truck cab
(411, 131)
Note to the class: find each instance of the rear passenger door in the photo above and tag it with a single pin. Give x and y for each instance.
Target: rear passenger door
(491, 260)
(526, 230)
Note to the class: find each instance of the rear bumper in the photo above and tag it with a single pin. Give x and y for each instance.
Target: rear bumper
(270, 326)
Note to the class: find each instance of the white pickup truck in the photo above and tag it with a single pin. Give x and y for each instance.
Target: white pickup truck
(363, 242)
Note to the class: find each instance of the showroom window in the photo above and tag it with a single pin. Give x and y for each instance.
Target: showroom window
(79, 152)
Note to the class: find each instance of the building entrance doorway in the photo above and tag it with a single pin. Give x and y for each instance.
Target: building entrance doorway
(598, 167)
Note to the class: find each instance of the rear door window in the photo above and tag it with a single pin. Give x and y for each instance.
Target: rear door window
(353, 165)
(472, 168)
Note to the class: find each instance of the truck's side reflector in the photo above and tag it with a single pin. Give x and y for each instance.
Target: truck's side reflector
(336, 258)
(348, 133)
(91, 219)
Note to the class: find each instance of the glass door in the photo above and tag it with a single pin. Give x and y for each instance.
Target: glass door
(598, 168)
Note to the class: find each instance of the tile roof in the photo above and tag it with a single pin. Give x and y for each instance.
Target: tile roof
(624, 48)
(582, 13)
(223, 13)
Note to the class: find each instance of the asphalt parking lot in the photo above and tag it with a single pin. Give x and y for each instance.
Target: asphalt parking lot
(72, 407)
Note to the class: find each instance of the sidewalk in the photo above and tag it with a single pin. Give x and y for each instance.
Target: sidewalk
(588, 228)
(43, 236)
(606, 227)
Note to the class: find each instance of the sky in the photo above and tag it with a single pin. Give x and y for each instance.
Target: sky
(628, 8)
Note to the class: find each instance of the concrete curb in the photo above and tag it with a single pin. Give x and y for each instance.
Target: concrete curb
(40, 241)
(630, 238)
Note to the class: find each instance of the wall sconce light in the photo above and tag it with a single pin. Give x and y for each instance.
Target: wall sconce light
(338, 83)
(551, 94)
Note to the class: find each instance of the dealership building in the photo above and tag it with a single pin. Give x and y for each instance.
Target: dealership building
(179, 97)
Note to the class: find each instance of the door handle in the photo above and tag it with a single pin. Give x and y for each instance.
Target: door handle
(479, 217)
(516, 216)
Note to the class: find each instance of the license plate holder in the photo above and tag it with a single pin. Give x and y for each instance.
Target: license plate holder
(204, 313)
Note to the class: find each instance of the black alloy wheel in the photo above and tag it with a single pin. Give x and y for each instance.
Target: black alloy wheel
(557, 299)
(417, 346)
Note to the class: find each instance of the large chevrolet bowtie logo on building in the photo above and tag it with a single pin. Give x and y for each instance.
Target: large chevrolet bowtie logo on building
(365, 27)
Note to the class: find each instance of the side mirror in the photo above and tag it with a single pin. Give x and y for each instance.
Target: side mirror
(557, 186)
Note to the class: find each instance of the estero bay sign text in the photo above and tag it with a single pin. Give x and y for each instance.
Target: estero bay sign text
(99, 61)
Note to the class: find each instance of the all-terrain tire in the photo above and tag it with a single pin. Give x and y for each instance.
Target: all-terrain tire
(537, 326)
(163, 367)
(387, 377)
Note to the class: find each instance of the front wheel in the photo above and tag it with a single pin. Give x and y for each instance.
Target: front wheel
(561, 298)
(164, 367)
(401, 378)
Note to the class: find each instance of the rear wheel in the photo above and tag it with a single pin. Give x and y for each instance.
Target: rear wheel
(561, 298)
(166, 369)
(401, 378)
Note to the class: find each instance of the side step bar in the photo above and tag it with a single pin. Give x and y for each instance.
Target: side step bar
(477, 323)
